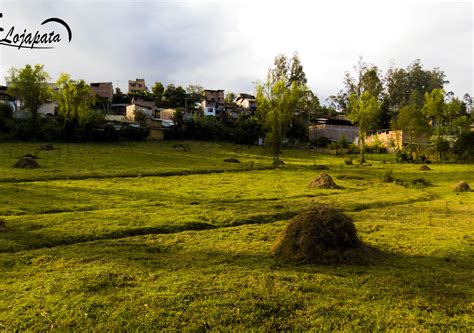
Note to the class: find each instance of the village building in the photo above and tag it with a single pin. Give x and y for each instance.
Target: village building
(333, 129)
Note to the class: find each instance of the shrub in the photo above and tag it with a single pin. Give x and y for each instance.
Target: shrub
(464, 148)
(388, 176)
(321, 235)
(322, 142)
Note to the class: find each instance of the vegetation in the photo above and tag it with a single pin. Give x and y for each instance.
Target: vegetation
(148, 236)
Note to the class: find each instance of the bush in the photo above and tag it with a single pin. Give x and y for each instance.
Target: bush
(464, 148)
(322, 142)
(388, 176)
(322, 235)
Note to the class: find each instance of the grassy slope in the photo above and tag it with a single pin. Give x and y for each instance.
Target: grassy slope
(68, 260)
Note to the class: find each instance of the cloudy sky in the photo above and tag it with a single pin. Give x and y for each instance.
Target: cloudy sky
(230, 45)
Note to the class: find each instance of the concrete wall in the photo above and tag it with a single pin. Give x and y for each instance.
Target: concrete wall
(333, 132)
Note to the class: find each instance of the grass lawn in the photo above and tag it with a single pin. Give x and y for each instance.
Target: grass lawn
(150, 236)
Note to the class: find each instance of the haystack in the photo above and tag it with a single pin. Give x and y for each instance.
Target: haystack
(26, 162)
(462, 186)
(231, 160)
(424, 167)
(323, 181)
(320, 167)
(46, 146)
(322, 235)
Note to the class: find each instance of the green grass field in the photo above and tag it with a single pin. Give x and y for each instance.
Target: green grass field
(146, 236)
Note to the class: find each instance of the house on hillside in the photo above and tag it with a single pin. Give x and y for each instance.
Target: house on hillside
(246, 101)
(140, 105)
(333, 129)
(394, 139)
(212, 102)
(137, 86)
(103, 89)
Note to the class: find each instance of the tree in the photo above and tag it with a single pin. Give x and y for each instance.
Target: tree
(296, 72)
(229, 97)
(279, 71)
(157, 91)
(452, 111)
(194, 93)
(413, 123)
(276, 103)
(433, 108)
(414, 81)
(30, 84)
(75, 100)
(119, 96)
(288, 71)
(174, 96)
(366, 79)
(364, 111)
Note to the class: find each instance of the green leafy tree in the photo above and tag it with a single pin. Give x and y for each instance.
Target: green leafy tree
(279, 71)
(296, 72)
(194, 93)
(414, 125)
(174, 96)
(433, 108)
(402, 83)
(75, 101)
(276, 103)
(364, 111)
(157, 91)
(366, 79)
(229, 97)
(30, 84)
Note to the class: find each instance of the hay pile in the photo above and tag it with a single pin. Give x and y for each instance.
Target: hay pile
(323, 181)
(322, 235)
(462, 186)
(27, 162)
(320, 167)
(231, 160)
(424, 167)
(46, 146)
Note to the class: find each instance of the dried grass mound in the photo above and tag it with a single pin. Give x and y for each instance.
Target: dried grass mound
(320, 167)
(46, 146)
(322, 235)
(462, 186)
(323, 181)
(231, 160)
(26, 162)
(424, 167)
(30, 155)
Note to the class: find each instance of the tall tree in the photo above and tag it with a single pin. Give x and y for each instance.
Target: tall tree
(279, 71)
(364, 112)
(30, 84)
(414, 125)
(194, 93)
(174, 96)
(276, 103)
(296, 72)
(229, 97)
(414, 81)
(157, 91)
(433, 108)
(365, 79)
(75, 100)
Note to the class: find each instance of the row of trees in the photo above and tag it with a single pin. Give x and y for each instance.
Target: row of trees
(170, 96)
(410, 99)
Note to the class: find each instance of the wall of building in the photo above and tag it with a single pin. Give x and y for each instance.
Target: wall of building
(333, 132)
